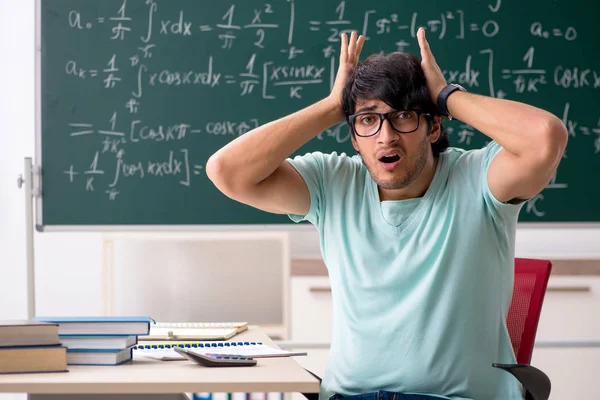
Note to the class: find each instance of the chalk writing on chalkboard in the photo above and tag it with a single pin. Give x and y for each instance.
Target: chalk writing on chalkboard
(134, 34)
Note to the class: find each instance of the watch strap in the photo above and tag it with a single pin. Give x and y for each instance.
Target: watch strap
(443, 98)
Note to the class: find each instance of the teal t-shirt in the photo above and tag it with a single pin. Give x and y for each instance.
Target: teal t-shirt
(420, 287)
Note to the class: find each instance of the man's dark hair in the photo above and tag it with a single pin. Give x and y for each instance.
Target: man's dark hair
(398, 80)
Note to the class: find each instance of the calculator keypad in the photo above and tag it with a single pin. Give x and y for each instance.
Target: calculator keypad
(228, 357)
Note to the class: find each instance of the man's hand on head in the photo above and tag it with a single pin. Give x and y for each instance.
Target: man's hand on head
(433, 74)
(349, 54)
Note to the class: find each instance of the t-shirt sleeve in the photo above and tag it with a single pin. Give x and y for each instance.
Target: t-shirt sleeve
(499, 209)
(473, 167)
(311, 168)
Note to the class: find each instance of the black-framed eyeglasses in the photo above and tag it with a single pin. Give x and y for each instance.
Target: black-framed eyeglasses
(369, 123)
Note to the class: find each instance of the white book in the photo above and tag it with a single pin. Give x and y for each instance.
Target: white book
(98, 356)
(98, 342)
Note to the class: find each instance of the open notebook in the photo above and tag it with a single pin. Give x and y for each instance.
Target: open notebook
(194, 330)
(165, 352)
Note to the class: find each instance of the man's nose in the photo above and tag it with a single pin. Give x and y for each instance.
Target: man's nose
(387, 134)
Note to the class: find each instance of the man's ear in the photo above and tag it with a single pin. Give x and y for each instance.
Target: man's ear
(436, 129)
(355, 144)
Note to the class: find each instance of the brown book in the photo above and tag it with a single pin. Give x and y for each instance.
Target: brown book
(33, 359)
(28, 333)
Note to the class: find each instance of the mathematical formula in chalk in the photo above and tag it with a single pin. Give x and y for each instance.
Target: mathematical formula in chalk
(285, 53)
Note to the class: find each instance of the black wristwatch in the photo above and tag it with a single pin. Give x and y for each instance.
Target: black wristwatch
(443, 97)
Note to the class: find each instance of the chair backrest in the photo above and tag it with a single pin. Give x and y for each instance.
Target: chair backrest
(531, 279)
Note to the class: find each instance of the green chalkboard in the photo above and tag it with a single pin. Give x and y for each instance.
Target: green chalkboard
(135, 95)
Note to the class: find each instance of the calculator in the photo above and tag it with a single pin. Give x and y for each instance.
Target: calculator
(216, 360)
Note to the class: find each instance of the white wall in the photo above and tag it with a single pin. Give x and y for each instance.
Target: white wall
(192, 280)
(16, 115)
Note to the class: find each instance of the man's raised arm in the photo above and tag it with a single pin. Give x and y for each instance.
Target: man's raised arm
(532, 140)
(252, 168)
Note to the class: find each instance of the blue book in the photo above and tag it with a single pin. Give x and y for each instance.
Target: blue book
(102, 325)
(98, 356)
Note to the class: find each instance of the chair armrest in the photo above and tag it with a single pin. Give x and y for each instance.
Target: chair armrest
(535, 382)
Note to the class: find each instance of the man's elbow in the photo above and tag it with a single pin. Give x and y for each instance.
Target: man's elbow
(226, 178)
(558, 133)
(217, 172)
(554, 137)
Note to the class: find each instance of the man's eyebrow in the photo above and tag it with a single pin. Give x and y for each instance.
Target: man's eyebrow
(369, 108)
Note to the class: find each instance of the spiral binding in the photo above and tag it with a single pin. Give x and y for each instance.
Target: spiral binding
(193, 345)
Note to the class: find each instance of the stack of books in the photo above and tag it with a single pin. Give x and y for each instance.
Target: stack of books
(31, 346)
(99, 340)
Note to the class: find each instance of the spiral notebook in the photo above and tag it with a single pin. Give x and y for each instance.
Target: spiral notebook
(165, 352)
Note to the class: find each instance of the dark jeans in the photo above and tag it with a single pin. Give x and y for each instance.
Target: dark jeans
(380, 395)
(384, 395)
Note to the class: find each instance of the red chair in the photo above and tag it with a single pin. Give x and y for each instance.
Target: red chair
(531, 280)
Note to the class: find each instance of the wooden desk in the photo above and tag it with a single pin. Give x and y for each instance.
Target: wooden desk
(152, 376)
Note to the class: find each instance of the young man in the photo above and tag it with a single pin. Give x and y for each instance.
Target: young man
(418, 238)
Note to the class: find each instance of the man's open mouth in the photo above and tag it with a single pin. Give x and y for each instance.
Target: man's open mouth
(390, 159)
